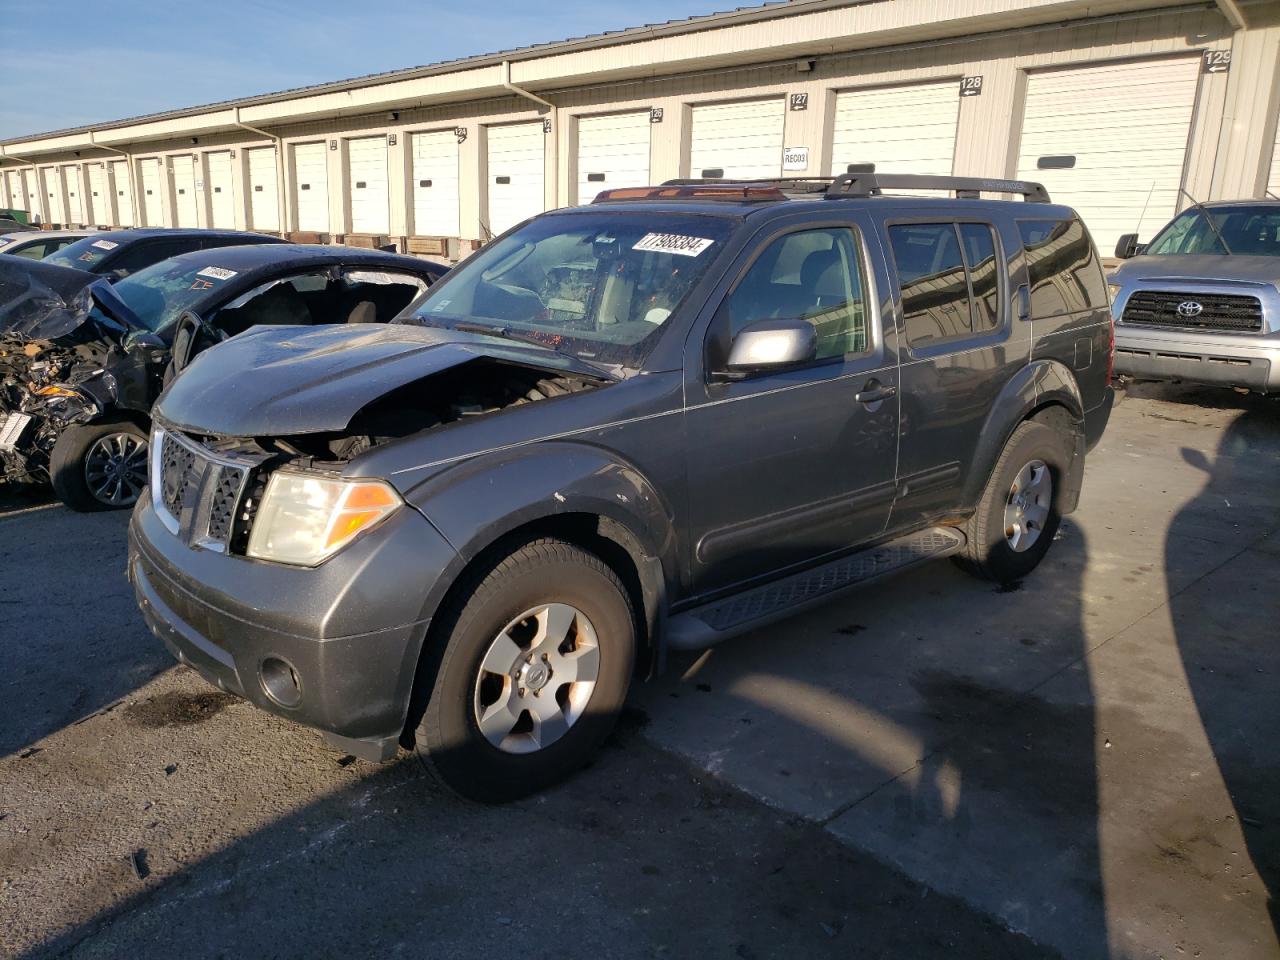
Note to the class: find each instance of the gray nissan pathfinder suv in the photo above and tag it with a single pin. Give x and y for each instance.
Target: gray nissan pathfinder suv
(647, 424)
(1201, 302)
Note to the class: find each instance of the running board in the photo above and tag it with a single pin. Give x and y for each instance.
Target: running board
(721, 619)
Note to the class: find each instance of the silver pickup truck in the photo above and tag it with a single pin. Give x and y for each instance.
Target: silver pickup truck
(1201, 302)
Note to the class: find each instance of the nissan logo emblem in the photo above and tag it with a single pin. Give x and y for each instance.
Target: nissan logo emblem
(1190, 308)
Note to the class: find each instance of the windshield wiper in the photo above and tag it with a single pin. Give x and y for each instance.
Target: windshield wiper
(1204, 212)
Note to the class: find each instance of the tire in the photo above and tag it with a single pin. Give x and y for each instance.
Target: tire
(1001, 547)
(77, 459)
(490, 759)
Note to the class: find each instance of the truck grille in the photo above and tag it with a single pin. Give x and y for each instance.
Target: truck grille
(197, 490)
(1197, 311)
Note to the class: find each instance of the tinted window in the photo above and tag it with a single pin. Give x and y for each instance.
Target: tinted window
(85, 253)
(1252, 230)
(979, 243)
(815, 276)
(1062, 268)
(932, 280)
(149, 252)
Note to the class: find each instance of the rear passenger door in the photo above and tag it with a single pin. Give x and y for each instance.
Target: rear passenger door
(951, 286)
(788, 466)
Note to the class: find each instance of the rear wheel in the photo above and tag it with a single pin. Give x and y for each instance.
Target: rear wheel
(100, 466)
(1018, 515)
(534, 669)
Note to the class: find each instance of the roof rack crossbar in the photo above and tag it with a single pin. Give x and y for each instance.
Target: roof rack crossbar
(966, 188)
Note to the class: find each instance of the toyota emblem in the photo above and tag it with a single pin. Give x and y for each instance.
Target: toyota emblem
(1190, 308)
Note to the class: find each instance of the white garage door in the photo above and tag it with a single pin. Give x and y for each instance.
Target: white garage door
(741, 140)
(1273, 178)
(35, 198)
(184, 190)
(515, 155)
(75, 193)
(152, 209)
(370, 204)
(435, 184)
(17, 192)
(1126, 126)
(311, 186)
(613, 151)
(910, 129)
(222, 191)
(124, 192)
(53, 200)
(264, 203)
(99, 205)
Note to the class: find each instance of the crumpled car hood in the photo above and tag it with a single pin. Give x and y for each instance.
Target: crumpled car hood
(1193, 267)
(279, 381)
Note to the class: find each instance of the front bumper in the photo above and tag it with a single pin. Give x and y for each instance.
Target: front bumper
(351, 628)
(1229, 360)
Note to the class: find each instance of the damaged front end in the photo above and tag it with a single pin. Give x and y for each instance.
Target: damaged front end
(266, 474)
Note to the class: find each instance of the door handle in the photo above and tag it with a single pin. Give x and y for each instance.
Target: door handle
(875, 391)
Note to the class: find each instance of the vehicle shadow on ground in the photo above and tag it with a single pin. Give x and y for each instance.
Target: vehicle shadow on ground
(69, 643)
(1228, 646)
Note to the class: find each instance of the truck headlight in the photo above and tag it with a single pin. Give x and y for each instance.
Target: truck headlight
(304, 520)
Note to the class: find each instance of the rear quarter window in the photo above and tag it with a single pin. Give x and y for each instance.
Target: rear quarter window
(1063, 269)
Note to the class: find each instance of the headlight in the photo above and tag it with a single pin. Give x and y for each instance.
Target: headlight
(304, 520)
(1113, 291)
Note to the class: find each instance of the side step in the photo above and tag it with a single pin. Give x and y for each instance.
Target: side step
(727, 617)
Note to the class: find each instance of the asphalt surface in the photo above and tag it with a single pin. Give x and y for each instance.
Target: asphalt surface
(1083, 766)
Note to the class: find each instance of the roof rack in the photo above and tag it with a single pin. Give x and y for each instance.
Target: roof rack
(966, 188)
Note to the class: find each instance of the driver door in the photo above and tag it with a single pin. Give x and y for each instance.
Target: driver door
(789, 466)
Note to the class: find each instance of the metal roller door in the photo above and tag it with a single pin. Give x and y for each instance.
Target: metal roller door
(516, 170)
(264, 203)
(908, 129)
(99, 205)
(311, 186)
(17, 191)
(1118, 133)
(35, 199)
(737, 139)
(367, 183)
(1273, 176)
(222, 195)
(53, 197)
(184, 191)
(435, 184)
(75, 195)
(124, 192)
(613, 151)
(152, 208)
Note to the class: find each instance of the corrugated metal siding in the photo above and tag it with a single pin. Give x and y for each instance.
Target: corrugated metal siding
(1127, 126)
(311, 186)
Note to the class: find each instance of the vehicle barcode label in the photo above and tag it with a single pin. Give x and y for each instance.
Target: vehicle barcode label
(105, 244)
(673, 243)
(216, 273)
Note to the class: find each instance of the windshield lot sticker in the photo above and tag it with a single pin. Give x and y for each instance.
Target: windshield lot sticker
(216, 273)
(673, 243)
(105, 244)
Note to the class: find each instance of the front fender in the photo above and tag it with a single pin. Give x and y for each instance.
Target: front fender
(1039, 384)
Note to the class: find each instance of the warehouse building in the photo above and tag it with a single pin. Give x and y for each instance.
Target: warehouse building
(1118, 106)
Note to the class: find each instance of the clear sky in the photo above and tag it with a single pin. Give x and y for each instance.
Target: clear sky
(64, 63)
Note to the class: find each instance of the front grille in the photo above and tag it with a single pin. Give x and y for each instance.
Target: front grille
(1166, 308)
(199, 490)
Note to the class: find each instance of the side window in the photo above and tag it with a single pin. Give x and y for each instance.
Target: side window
(294, 301)
(812, 275)
(36, 251)
(145, 254)
(1062, 267)
(979, 243)
(932, 281)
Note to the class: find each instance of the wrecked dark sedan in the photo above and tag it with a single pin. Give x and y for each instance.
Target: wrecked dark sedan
(82, 361)
(115, 254)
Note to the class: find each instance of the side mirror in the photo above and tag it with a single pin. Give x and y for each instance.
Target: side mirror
(770, 345)
(1127, 246)
(144, 340)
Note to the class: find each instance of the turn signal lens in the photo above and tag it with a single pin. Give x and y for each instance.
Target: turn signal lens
(1113, 290)
(55, 391)
(304, 520)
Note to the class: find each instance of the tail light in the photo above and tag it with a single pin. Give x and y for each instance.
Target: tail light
(1111, 348)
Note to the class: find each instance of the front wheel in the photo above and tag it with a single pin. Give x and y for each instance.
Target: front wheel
(1018, 515)
(533, 672)
(100, 466)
